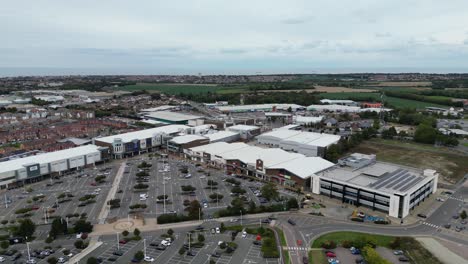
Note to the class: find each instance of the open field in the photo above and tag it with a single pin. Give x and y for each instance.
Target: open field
(451, 165)
(338, 237)
(173, 88)
(323, 89)
(317, 257)
(403, 84)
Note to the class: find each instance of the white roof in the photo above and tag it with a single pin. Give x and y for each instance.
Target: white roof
(304, 167)
(375, 109)
(343, 108)
(143, 134)
(159, 108)
(12, 165)
(186, 139)
(242, 127)
(308, 119)
(306, 138)
(172, 116)
(330, 101)
(264, 107)
(219, 147)
(269, 156)
(220, 135)
(288, 127)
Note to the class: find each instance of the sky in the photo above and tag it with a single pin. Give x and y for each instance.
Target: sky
(232, 37)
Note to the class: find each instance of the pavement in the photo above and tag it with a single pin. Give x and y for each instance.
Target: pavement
(440, 251)
(111, 194)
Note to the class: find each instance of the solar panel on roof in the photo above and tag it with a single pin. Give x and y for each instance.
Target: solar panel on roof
(403, 182)
(395, 181)
(409, 185)
(388, 178)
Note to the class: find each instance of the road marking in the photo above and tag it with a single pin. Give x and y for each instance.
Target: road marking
(431, 225)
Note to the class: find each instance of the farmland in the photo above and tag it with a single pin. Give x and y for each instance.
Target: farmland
(174, 88)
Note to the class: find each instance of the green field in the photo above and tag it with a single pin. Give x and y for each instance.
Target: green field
(392, 101)
(176, 88)
(338, 237)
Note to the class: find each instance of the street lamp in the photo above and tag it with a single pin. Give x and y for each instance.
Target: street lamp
(241, 216)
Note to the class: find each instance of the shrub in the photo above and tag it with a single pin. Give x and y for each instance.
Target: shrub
(346, 243)
(49, 239)
(329, 244)
(357, 219)
(4, 244)
(79, 244)
(125, 233)
(372, 256)
(52, 260)
(382, 222)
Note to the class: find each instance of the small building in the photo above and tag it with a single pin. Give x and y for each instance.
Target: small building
(245, 131)
(371, 105)
(360, 180)
(338, 102)
(223, 136)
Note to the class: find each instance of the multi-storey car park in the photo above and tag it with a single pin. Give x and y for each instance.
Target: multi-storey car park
(362, 181)
(24, 170)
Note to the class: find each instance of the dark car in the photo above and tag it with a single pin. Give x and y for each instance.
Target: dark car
(422, 215)
(216, 255)
(291, 222)
(161, 247)
(118, 253)
(266, 221)
(258, 243)
(190, 253)
(305, 260)
(403, 259)
(134, 260)
(112, 259)
(199, 228)
(154, 244)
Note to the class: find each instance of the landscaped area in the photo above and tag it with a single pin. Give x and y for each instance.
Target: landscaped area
(451, 165)
(410, 247)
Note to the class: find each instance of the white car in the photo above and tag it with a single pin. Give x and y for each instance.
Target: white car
(234, 220)
(218, 230)
(78, 236)
(98, 190)
(2, 259)
(202, 177)
(61, 260)
(31, 261)
(244, 234)
(205, 205)
(143, 198)
(220, 242)
(167, 178)
(148, 259)
(165, 243)
(144, 195)
(440, 199)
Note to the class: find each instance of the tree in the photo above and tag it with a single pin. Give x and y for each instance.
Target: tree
(389, 133)
(52, 260)
(170, 231)
(194, 209)
(425, 134)
(26, 228)
(372, 256)
(4, 244)
(211, 183)
(82, 226)
(182, 251)
(125, 233)
(269, 191)
(92, 260)
(79, 244)
(216, 196)
(139, 255)
(376, 124)
(237, 205)
(201, 238)
(252, 207)
(238, 190)
(332, 153)
(292, 203)
(58, 227)
(136, 232)
(463, 214)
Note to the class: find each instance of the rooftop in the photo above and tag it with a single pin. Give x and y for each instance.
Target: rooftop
(220, 135)
(171, 116)
(300, 137)
(48, 157)
(186, 139)
(142, 134)
(243, 127)
(304, 167)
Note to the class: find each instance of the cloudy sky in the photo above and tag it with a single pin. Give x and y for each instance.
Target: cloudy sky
(220, 36)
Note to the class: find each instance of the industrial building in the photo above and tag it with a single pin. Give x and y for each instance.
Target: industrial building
(245, 131)
(171, 117)
(260, 108)
(271, 164)
(223, 136)
(24, 170)
(339, 102)
(362, 181)
(136, 142)
(308, 143)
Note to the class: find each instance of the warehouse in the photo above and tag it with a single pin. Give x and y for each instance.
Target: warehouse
(362, 181)
(308, 143)
(24, 170)
(245, 131)
(212, 153)
(136, 142)
(223, 136)
(171, 117)
(260, 108)
(179, 143)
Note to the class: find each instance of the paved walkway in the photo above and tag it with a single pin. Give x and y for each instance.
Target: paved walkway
(93, 244)
(440, 251)
(111, 194)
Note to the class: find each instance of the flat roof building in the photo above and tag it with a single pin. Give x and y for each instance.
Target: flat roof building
(362, 181)
(136, 142)
(26, 169)
(171, 117)
(308, 143)
(179, 143)
(245, 131)
(259, 107)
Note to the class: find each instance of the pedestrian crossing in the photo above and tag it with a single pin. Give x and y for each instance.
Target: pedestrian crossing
(431, 225)
(296, 248)
(456, 198)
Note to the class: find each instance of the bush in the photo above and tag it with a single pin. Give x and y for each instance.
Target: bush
(329, 244)
(125, 233)
(372, 257)
(346, 243)
(79, 244)
(49, 240)
(136, 232)
(52, 260)
(382, 222)
(171, 218)
(4, 244)
(357, 219)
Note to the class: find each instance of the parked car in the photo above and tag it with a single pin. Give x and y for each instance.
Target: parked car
(218, 230)
(123, 241)
(403, 259)
(422, 215)
(398, 252)
(291, 222)
(216, 255)
(330, 254)
(305, 260)
(118, 253)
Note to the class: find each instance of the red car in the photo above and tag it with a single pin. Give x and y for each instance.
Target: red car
(35, 207)
(330, 254)
(122, 241)
(93, 184)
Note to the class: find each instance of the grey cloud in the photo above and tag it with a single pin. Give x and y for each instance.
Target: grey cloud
(234, 51)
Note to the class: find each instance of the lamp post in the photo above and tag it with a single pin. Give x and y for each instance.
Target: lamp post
(118, 242)
(241, 216)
